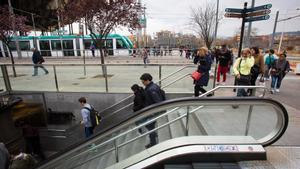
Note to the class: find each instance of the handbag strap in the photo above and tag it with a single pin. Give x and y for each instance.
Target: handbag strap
(240, 66)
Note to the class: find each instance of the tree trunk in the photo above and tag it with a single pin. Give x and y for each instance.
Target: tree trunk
(12, 60)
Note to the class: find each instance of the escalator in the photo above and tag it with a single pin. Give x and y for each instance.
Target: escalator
(191, 132)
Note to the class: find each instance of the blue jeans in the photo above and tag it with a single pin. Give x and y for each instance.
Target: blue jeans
(242, 93)
(35, 72)
(276, 81)
(88, 131)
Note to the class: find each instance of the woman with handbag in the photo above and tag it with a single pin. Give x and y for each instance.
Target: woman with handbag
(257, 68)
(242, 70)
(204, 61)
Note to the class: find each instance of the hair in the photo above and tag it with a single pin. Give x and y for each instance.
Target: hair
(82, 100)
(272, 51)
(256, 50)
(224, 46)
(203, 51)
(146, 76)
(136, 87)
(246, 50)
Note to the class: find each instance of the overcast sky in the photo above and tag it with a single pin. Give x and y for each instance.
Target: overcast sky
(174, 15)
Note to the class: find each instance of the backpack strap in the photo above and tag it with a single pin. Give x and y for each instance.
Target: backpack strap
(87, 109)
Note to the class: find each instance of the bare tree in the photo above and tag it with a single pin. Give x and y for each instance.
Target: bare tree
(7, 22)
(203, 20)
(102, 17)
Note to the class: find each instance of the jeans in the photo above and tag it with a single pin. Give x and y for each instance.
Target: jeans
(276, 81)
(153, 135)
(88, 131)
(242, 93)
(35, 70)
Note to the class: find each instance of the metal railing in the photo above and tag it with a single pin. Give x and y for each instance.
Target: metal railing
(269, 138)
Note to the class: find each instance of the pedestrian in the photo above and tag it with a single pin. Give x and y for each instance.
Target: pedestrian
(138, 101)
(257, 68)
(4, 157)
(278, 70)
(86, 118)
(204, 64)
(181, 50)
(224, 57)
(269, 61)
(242, 71)
(154, 94)
(32, 140)
(145, 57)
(92, 48)
(37, 60)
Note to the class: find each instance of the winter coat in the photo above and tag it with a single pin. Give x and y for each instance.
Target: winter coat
(139, 100)
(36, 57)
(153, 94)
(203, 68)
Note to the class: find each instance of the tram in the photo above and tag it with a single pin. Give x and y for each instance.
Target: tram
(68, 45)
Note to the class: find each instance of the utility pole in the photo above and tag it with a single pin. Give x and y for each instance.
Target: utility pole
(217, 21)
(145, 32)
(274, 30)
(249, 28)
(11, 11)
(242, 29)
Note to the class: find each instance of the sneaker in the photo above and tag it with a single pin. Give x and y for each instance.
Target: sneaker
(272, 91)
(235, 106)
(277, 90)
(34, 75)
(223, 84)
(217, 83)
(46, 73)
(140, 131)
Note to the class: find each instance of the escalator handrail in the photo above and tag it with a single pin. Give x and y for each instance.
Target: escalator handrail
(128, 97)
(162, 106)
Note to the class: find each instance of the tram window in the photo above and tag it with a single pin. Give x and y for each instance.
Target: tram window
(56, 45)
(120, 44)
(12, 45)
(109, 44)
(68, 44)
(87, 44)
(24, 45)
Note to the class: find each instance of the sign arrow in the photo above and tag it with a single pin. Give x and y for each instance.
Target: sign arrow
(258, 8)
(233, 15)
(234, 10)
(259, 18)
(258, 13)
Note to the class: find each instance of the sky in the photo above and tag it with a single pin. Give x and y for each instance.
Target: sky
(174, 15)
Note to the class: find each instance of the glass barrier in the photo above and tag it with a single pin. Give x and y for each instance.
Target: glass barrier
(182, 117)
(2, 84)
(24, 81)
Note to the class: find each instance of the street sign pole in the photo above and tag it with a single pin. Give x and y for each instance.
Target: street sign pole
(242, 29)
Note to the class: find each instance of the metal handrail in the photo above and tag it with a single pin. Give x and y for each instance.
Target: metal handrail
(234, 87)
(113, 113)
(280, 128)
(126, 132)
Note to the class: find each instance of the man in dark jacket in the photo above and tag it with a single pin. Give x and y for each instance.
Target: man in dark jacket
(37, 59)
(153, 95)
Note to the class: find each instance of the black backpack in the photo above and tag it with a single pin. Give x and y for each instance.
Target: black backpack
(95, 116)
(162, 94)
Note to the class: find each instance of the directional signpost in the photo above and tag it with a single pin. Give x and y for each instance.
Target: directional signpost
(258, 13)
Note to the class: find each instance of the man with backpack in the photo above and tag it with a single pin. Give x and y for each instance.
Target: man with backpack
(86, 117)
(154, 94)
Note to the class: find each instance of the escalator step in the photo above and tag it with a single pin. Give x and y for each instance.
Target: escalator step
(180, 166)
(216, 166)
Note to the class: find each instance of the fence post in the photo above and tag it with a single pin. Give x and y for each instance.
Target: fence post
(55, 78)
(6, 78)
(159, 75)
